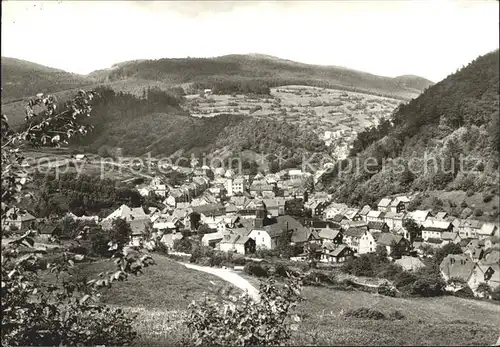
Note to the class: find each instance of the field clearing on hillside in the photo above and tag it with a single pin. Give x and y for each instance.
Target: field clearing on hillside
(334, 116)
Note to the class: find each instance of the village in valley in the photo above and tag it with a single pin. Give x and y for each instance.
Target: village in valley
(250, 215)
(250, 173)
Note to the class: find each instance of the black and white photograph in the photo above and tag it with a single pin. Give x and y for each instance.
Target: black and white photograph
(250, 173)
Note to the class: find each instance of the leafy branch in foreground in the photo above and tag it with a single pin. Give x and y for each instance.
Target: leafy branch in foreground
(43, 301)
(244, 321)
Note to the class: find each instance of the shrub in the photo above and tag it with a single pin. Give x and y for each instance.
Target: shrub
(390, 271)
(256, 270)
(281, 270)
(404, 279)
(317, 278)
(427, 284)
(387, 289)
(487, 198)
(396, 315)
(239, 261)
(217, 258)
(484, 289)
(161, 248)
(478, 212)
(365, 313)
(465, 292)
(183, 245)
(244, 322)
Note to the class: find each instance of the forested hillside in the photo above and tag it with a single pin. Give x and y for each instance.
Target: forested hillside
(457, 117)
(155, 123)
(22, 78)
(257, 68)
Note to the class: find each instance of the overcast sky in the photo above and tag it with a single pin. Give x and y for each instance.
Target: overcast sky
(430, 38)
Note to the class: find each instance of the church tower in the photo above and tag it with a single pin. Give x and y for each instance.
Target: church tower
(260, 215)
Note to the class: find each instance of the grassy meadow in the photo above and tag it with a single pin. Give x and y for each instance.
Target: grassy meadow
(161, 295)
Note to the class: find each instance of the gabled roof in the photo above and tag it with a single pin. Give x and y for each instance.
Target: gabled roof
(170, 238)
(384, 202)
(400, 199)
(418, 215)
(376, 225)
(449, 236)
(436, 225)
(213, 236)
(487, 229)
(335, 250)
(270, 203)
(209, 209)
(231, 208)
(328, 234)
(410, 263)
(394, 215)
(441, 215)
(374, 214)
(127, 213)
(457, 266)
(138, 226)
(279, 224)
(339, 217)
(354, 232)
(364, 211)
(350, 212)
(471, 223)
(491, 257)
(387, 239)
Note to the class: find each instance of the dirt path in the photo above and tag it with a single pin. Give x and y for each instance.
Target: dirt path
(229, 276)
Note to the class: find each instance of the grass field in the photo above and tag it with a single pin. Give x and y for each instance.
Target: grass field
(161, 295)
(428, 321)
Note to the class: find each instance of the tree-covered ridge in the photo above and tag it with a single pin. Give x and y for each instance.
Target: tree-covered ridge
(273, 71)
(21, 78)
(273, 138)
(457, 116)
(154, 123)
(81, 195)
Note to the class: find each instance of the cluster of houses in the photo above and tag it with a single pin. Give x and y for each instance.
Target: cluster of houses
(242, 214)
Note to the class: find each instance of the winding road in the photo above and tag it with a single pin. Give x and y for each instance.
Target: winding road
(228, 276)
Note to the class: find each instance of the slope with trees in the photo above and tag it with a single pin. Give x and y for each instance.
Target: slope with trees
(457, 117)
(22, 78)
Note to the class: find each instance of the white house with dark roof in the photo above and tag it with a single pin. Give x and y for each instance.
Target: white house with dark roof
(419, 216)
(394, 220)
(434, 229)
(487, 230)
(399, 204)
(384, 204)
(375, 216)
(470, 228)
(332, 253)
(124, 212)
(364, 212)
